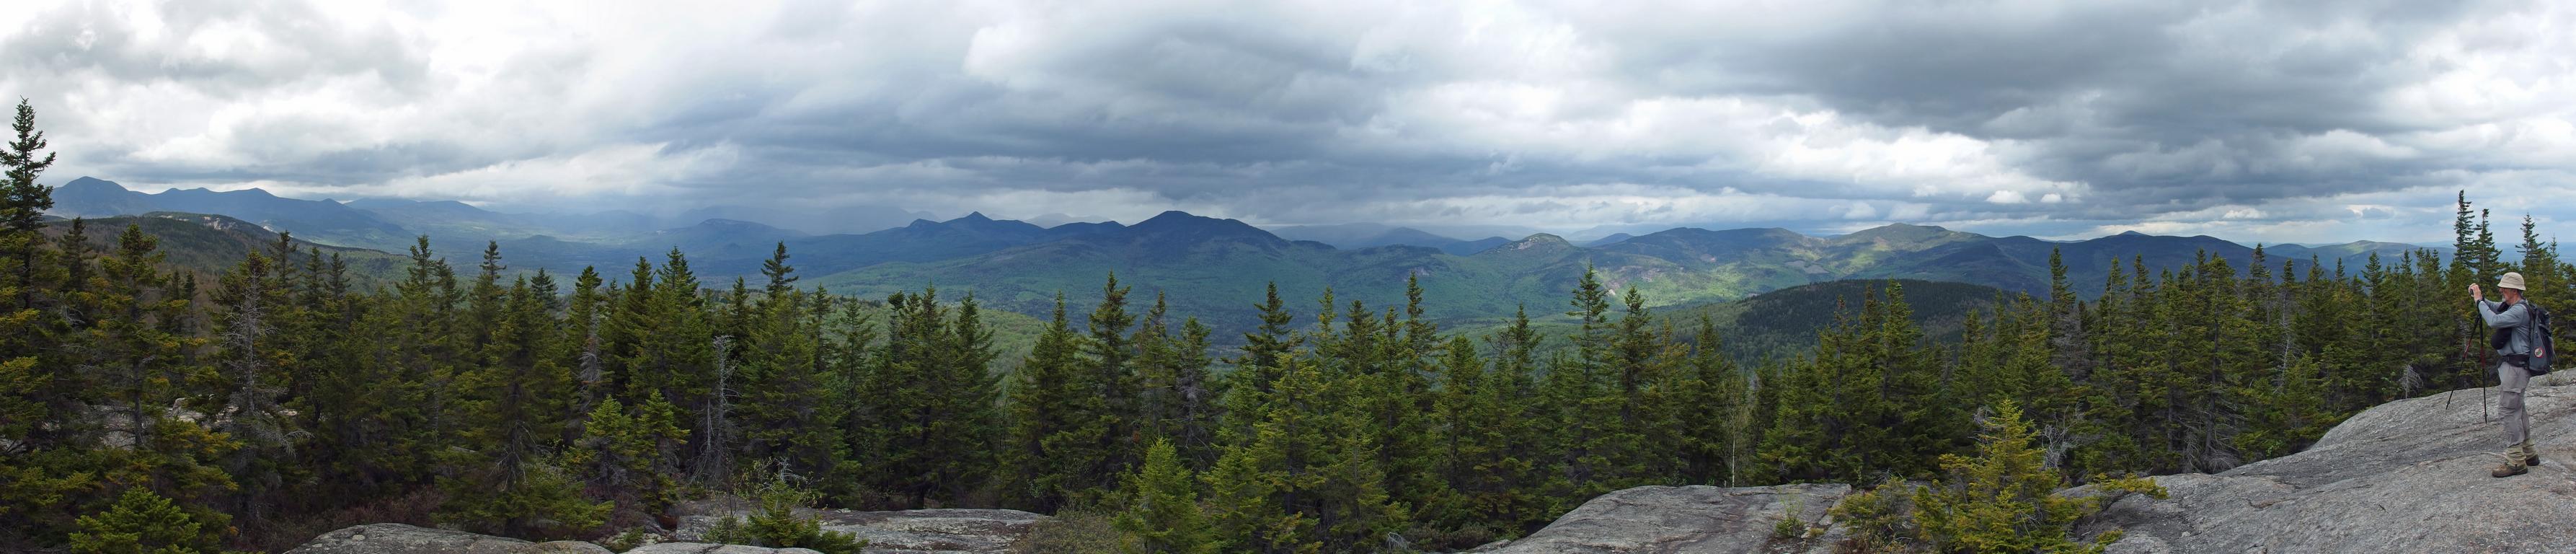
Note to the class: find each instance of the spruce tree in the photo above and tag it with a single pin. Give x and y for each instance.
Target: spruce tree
(1059, 424)
(2539, 267)
(1257, 368)
(1306, 481)
(1583, 399)
(251, 370)
(782, 277)
(1111, 374)
(1644, 362)
(515, 405)
(142, 522)
(2002, 499)
(1161, 515)
(1706, 392)
(32, 393)
(23, 202)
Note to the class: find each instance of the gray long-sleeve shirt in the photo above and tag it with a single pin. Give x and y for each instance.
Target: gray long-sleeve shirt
(2513, 316)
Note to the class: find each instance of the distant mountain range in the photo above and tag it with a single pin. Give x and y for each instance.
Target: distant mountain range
(392, 224)
(1213, 268)
(1354, 236)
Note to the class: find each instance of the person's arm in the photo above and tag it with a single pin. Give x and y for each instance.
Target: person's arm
(2512, 316)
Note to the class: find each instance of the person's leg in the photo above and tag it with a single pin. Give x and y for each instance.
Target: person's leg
(2517, 424)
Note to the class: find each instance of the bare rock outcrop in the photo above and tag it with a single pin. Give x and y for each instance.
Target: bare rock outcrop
(1687, 520)
(705, 548)
(396, 538)
(2407, 476)
(936, 531)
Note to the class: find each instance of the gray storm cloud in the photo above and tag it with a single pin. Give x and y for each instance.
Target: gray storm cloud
(2271, 121)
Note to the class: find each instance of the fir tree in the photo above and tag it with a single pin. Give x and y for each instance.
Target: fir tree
(513, 417)
(1307, 481)
(1059, 423)
(142, 522)
(1162, 508)
(782, 277)
(23, 201)
(1111, 375)
(1706, 394)
(2002, 499)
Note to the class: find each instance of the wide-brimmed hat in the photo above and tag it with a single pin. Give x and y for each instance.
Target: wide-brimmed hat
(2511, 280)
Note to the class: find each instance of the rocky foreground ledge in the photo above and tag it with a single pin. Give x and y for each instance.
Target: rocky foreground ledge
(2406, 476)
(903, 532)
(1690, 519)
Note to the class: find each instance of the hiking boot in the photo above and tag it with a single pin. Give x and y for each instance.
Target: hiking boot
(2510, 467)
(2530, 456)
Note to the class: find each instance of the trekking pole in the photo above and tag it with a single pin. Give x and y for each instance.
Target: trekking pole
(2469, 347)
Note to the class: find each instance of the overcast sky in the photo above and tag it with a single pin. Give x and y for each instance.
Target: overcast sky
(2322, 121)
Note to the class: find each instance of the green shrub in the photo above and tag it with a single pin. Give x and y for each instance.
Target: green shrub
(776, 525)
(142, 522)
(1877, 517)
(1790, 528)
(630, 539)
(2004, 499)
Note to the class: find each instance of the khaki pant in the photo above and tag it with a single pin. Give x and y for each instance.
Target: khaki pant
(2517, 423)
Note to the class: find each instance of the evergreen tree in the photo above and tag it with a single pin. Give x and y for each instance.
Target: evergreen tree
(1307, 480)
(515, 415)
(621, 451)
(1112, 375)
(35, 397)
(1059, 424)
(1636, 447)
(581, 349)
(250, 367)
(1585, 419)
(2066, 330)
(1707, 391)
(782, 277)
(23, 202)
(2003, 499)
(1162, 509)
(2539, 268)
(142, 522)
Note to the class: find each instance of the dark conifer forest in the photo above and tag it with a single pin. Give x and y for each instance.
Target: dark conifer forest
(145, 407)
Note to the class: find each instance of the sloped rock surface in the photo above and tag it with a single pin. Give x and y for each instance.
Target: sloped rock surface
(396, 538)
(937, 531)
(1685, 520)
(704, 548)
(2407, 476)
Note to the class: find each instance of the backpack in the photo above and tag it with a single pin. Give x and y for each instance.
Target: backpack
(2544, 341)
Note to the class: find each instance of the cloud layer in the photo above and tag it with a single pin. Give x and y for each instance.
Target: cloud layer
(2265, 121)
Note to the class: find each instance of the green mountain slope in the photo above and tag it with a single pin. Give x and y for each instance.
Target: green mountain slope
(212, 244)
(1217, 268)
(1786, 321)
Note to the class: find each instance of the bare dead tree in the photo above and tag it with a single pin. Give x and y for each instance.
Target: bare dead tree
(713, 457)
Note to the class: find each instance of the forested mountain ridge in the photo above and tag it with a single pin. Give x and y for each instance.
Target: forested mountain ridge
(333, 222)
(1023, 265)
(1677, 266)
(209, 245)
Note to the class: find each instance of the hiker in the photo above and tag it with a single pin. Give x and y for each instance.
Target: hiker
(2513, 352)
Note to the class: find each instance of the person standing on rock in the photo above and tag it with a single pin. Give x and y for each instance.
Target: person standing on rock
(2511, 318)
